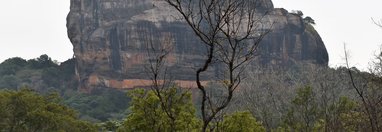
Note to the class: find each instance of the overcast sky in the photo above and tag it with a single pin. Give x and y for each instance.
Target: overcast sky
(29, 28)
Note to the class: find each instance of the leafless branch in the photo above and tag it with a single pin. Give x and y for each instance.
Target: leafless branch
(231, 31)
(158, 73)
(367, 94)
(378, 23)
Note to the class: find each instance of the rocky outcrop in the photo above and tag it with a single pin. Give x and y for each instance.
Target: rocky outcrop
(110, 40)
(292, 41)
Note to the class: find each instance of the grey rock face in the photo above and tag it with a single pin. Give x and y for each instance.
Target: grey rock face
(110, 40)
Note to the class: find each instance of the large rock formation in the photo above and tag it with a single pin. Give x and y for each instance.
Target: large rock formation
(110, 40)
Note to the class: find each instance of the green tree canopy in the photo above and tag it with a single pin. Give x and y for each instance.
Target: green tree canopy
(12, 65)
(148, 115)
(43, 61)
(25, 110)
(303, 114)
(241, 122)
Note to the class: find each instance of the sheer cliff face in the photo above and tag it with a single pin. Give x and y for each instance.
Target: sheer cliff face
(110, 40)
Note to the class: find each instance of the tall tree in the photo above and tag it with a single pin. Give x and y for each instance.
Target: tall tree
(161, 81)
(231, 32)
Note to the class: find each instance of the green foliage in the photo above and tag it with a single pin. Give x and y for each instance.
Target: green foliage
(100, 105)
(44, 61)
(303, 114)
(44, 76)
(147, 113)
(67, 69)
(27, 111)
(306, 115)
(241, 122)
(346, 118)
(111, 125)
(284, 111)
(51, 76)
(9, 82)
(12, 65)
(41, 74)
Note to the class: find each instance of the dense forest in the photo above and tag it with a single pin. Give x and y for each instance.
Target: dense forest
(45, 76)
(303, 98)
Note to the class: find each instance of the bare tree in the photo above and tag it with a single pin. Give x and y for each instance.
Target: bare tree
(266, 94)
(156, 69)
(161, 82)
(370, 93)
(231, 32)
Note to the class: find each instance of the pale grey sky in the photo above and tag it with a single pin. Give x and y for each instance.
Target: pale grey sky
(29, 28)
